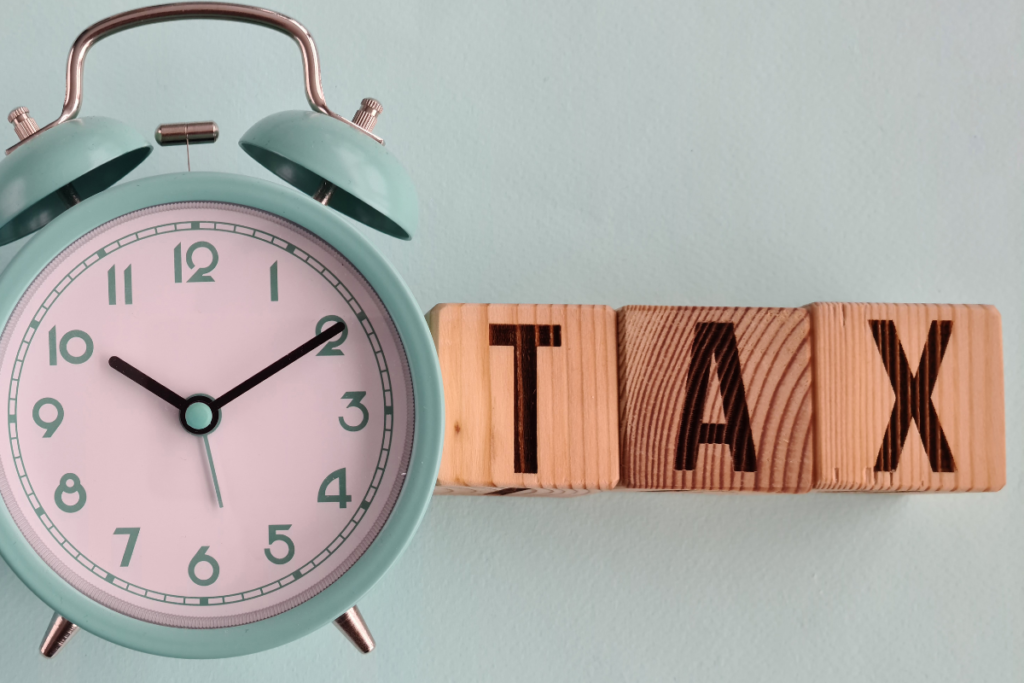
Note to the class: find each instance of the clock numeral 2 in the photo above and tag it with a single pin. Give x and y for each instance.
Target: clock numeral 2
(199, 558)
(133, 535)
(342, 499)
(69, 485)
(49, 426)
(201, 274)
(331, 347)
(112, 286)
(275, 535)
(63, 346)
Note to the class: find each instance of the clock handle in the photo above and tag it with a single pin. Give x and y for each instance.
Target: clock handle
(156, 14)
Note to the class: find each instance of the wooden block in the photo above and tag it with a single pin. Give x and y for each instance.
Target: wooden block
(715, 399)
(530, 398)
(908, 397)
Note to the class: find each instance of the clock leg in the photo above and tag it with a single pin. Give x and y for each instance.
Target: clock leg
(58, 633)
(352, 625)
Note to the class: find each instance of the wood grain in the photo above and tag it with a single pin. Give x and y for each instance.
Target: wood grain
(908, 397)
(530, 398)
(690, 421)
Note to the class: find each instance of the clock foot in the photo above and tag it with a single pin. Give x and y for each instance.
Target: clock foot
(352, 625)
(58, 633)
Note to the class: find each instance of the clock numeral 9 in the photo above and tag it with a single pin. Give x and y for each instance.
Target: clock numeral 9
(276, 535)
(342, 498)
(199, 558)
(69, 485)
(355, 399)
(202, 274)
(49, 426)
(65, 353)
(331, 347)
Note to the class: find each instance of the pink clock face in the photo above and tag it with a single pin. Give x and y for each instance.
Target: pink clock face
(264, 500)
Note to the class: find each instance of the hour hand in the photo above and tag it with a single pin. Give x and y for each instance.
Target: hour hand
(147, 382)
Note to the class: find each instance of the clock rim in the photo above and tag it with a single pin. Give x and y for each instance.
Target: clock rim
(428, 402)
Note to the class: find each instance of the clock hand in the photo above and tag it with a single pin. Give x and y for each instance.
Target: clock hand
(147, 382)
(213, 470)
(279, 364)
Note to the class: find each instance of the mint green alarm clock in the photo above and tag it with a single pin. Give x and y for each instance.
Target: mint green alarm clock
(224, 408)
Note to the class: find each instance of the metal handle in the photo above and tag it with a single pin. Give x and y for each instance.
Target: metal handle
(194, 10)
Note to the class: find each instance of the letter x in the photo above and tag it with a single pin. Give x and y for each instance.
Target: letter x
(913, 395)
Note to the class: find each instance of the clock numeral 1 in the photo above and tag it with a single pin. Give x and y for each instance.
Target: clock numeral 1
(200, 558)
(133, 535)
(273, 282)
(355, 400)
(49, 426)
(63, 346)
(331, 347)
(69, 485)
(112, 286)
(201, 274)
(276, 535)
(342, 499)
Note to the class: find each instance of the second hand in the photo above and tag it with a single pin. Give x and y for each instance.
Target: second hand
(213, 470)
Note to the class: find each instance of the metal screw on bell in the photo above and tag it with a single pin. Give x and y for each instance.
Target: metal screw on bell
(24, 125)
(366, 117)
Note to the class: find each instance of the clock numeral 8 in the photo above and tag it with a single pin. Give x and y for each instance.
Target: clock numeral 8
(50, 426)
(202, 274)
(199, 558)
(331, 347)
(276, 535)
(69, 485)
(65, 353)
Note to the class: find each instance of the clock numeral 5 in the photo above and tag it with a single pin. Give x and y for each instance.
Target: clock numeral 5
(355, 400)
(133, 535)
(331, 347)
(201, 274)
(342, 499)
(276, 535)
(50, 426)
(65, 353)
(69, 485)
(112, 286)
(200, 558)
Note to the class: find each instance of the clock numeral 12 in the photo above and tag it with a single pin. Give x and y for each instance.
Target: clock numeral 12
(202, 273)
(112, 286)
(133, 535)
(63, 346)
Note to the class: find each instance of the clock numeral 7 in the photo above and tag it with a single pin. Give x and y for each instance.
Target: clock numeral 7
(133, 535)
(112, 286)
(201, 274)
(275, 535)
(65, 352)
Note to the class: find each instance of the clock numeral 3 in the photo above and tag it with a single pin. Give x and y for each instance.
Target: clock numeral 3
(201, 274)
(355, 400)
(200, 558)
(69, 485)
(276, 535)
(49, 426)
(65, 352)
(133, 535)
(112, 286)
(331, 347)
(342, 498)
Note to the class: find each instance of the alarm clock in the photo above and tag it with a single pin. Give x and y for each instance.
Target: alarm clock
(224, 408)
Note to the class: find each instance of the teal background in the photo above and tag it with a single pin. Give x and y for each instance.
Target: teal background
(729, 153)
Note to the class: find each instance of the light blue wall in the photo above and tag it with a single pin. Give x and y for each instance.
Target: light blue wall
(730, 153)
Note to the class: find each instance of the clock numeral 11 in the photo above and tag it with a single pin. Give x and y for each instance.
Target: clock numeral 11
(112, 286)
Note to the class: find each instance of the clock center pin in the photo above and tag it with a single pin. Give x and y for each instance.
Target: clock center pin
(199, 415)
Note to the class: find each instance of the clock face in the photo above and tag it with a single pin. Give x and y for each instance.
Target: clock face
(202, 530)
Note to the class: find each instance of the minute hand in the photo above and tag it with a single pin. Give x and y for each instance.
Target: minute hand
(280, 364)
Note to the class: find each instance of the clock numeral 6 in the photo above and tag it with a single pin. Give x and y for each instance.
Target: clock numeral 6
(355, 399)
(342, 498)
(49, 426)
(276, 535)
(69, 485)
(199, 558)
(133, 535)
(331, 347)
(65, 352)
(202, 274)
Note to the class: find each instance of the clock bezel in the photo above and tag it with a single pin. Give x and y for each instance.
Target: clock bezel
(428, 401)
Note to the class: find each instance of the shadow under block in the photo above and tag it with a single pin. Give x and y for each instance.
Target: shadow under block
(908, 397)
(715, 399)
(530, 398)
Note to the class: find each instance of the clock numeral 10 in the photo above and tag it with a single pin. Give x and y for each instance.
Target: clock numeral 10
(201, 274)
(69, 485)
(200, 558)
(49, 426)
(276, 535)
(342, 498)
(133, 535)
(65, 353)
(112, 286)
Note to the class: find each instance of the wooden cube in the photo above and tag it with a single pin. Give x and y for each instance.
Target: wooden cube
(530, 398)
(908, 397)
(715, 399)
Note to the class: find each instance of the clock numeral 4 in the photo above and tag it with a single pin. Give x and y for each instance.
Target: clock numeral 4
(331, 347)
(112, 286)
(355, 400)
(49, 426)
(64, 347)
(70, 485)
(133, 535)
(275, 535)
(342, 498)
(202, 558)
(202, 273)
